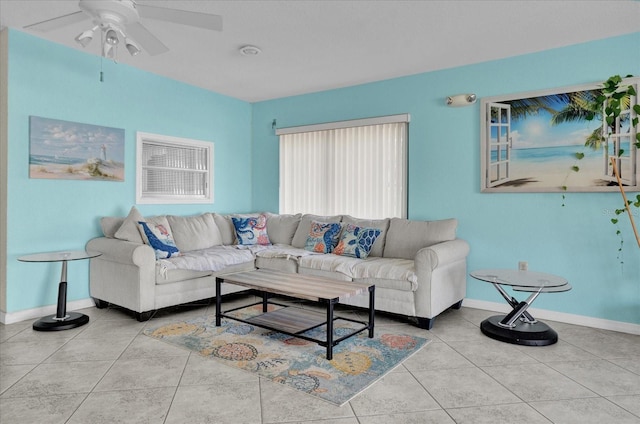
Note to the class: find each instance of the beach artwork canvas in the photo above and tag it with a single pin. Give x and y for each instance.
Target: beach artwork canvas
(75, 151)
(543, 142)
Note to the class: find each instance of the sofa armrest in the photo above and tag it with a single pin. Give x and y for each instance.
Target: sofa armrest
(441, 254)
(442, 277)
(124, 252)
(124, 275)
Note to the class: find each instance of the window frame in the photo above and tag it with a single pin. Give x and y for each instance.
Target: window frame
(173, 142)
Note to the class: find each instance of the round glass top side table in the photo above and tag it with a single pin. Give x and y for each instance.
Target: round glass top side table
(61, 320)
(518, 326)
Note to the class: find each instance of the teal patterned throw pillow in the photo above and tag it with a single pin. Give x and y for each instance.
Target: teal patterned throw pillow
(323, 236)
(356, 241)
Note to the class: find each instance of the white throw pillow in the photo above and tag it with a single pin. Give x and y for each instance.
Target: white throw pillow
(129, 229)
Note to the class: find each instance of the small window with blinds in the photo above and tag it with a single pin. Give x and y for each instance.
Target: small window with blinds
(173, 170)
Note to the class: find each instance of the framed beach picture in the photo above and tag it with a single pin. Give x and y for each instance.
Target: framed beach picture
(74, 151)
(543, 141)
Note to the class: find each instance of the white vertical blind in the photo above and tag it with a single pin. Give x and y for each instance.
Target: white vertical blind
(360, 171)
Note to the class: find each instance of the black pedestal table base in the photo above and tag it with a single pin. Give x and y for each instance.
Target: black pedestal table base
(52, 323)
(523, 333)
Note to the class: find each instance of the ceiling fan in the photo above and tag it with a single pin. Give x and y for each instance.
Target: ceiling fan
(119, 21)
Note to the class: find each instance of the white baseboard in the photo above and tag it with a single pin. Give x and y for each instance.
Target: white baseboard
(624, 327)
(605, 324)
(13, 317)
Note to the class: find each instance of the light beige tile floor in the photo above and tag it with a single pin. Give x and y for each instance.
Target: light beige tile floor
(108, 372)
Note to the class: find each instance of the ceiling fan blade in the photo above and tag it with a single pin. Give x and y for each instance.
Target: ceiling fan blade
(183, 17)
(148, 41)
(59, 22)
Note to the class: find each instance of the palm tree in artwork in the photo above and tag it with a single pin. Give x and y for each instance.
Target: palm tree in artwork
(564, 107)
(580, 107)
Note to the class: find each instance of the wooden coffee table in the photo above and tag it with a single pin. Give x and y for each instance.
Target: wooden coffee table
(292, 320)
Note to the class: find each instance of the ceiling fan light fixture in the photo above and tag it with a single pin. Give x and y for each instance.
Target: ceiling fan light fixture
(111, 37)
(85, 37)
(109, 51)
(132, 47)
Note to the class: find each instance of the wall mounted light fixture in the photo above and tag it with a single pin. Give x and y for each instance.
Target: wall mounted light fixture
(461, 100)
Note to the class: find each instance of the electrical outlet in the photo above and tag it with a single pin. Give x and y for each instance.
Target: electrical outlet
(523, 266)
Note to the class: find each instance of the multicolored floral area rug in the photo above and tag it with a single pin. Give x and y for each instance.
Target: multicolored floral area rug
(357, 362)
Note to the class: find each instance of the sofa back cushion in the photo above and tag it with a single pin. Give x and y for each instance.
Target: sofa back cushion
(281, 228)
(194, 232)
(227, 230)
(302, 232)
(110, 224)
(405, 237)
(381, 224)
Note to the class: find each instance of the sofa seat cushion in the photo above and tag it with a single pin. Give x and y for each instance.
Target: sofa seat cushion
(398, 274)
(391, 273)
(167, 276)
(214, 259)
(330, 263)
(281, 257)
(284, 251)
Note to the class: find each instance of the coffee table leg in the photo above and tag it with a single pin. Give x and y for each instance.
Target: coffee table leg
(329, 330)
(372, 297)
(218, 301)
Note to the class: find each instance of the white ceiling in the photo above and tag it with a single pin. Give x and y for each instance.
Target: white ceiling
(310, 46)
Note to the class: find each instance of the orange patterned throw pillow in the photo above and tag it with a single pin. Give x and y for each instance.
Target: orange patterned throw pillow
(323, 236)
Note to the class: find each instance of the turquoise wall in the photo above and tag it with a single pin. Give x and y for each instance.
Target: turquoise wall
(576, 241)
(54, 81)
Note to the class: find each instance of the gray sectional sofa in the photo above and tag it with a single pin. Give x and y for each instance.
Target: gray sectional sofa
(418, 267)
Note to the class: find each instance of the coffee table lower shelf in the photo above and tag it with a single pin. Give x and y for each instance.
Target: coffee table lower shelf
(290, 319)
(294, 321)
